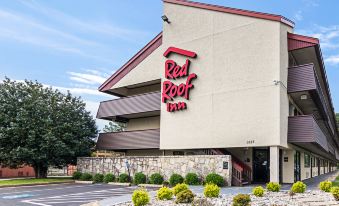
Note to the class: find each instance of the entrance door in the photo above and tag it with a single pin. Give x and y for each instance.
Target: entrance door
(261, 165)
(297, 166)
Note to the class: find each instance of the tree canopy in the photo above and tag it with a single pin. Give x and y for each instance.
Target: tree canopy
(114, 127)
(42, 127)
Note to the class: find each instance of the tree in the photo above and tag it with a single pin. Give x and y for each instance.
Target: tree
(42, 127)
(114, 127)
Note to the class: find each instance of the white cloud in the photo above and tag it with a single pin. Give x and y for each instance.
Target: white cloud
(87, 78)
(89, 26)
(329, 36)
(27, 30)
(332, 59)
(298, 16)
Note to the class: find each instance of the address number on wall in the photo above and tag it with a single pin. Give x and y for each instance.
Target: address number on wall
(250, 142)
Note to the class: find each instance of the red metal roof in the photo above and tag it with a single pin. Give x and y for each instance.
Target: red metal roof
(132, 63)
(230, 10)
(296, 41)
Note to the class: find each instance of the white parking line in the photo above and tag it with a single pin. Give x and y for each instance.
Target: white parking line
(29, 191)
(81, 197)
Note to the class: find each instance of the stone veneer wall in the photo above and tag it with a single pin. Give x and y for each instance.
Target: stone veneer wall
(165, 165)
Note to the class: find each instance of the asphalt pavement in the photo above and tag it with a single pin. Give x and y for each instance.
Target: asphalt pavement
(60, 194)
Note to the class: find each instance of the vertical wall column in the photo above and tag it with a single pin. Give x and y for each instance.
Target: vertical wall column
(274, 164)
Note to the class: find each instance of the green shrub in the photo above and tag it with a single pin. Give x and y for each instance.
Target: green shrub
(164, 193)
(165, 183)
(109, 178)
(139, 178)
(258, 191)
(156, 179)
(215, 179)
(325, 186)
(335, 193)
(176, 179)
(192, 179)
(76, 175)
(273, 186)
(298, 187)
(140, 197)
(86, 177)
(179, 188)
(211, 190)
(241, 200)
(185, 196)
(123, 178)
(98, 178)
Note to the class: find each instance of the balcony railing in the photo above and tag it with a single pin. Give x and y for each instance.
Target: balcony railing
(303, 78)
(304, 130)
(131, 107)
(138, 139)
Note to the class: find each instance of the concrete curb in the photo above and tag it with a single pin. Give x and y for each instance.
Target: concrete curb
(38, 184)
(83, 182)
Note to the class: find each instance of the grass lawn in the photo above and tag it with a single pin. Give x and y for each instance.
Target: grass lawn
(336, 182)
(33, 181)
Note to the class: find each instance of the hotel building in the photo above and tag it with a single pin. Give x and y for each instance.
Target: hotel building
(220, 80)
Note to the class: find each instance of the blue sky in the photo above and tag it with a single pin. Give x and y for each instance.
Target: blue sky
(75, 45)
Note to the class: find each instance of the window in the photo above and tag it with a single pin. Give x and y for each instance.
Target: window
(306, 160)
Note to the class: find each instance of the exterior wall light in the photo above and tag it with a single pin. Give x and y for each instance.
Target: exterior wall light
(303, 97)
(165, 19)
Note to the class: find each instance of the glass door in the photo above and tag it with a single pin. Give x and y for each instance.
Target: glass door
(297, 166)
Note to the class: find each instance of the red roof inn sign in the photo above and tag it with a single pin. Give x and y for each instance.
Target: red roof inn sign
(173, 72)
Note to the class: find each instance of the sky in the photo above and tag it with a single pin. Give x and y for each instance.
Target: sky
(76, 45)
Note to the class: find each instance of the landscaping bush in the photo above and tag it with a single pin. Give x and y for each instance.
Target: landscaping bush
(98, 178)
(176, 179)
(298, 187)
(258, 191)
(156, 179)
(140, 197)
(273, 186)
(325, 186)
(335, 193)
(241, 200)
(76, 175)
(139, 178)
(109, 178)
(164, 193)
(86, 177)
(185, 196)
(215, 179)
(123, 178)
(192, 179)
(179, 188)
(211, 190)
(165, 183)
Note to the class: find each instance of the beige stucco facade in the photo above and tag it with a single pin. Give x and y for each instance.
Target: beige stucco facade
(239, 103)
(235, 101)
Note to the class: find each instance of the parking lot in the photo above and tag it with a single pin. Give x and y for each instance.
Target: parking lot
(60, 194)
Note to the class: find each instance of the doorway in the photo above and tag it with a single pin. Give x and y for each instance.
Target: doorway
(261, 164)
(297, 166)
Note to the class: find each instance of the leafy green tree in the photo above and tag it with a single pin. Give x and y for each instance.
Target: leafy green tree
(42, 127)
(337, 118)
(114, 127)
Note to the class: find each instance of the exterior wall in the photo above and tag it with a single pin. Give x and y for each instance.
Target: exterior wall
(165, 165)
(305, 172)
(288, 167)
(143, 123)
(144, 89)
(235, 81)
(144, 152)
(243, 154)
(26, 171)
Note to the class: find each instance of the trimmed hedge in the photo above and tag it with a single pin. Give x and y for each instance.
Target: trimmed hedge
(109, 178)
(98, 178)
(156, 179)
(86, 177)
(192, 179)
(76, 175)
(123, 178)
(139, 178)
(176, 179)
(215, 179)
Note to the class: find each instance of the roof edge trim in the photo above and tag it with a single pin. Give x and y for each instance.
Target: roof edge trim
(230, 10)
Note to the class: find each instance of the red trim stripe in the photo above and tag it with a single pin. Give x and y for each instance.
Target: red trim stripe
(179, 51)
(230, 10)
